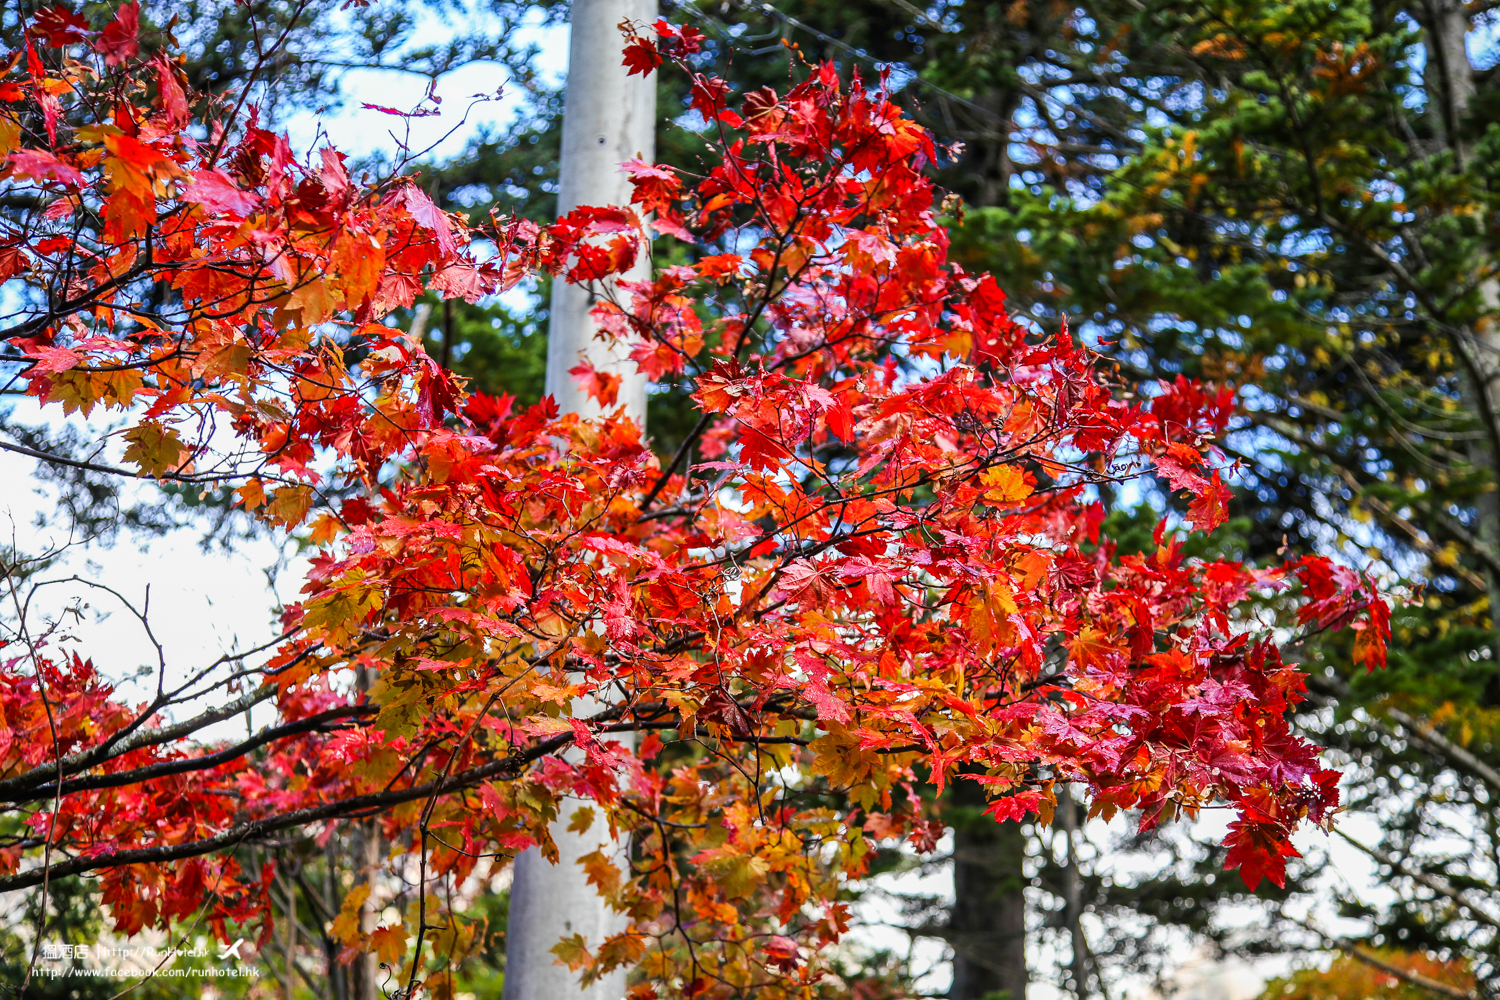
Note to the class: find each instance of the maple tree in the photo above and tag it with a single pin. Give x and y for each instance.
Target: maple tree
(931, 601)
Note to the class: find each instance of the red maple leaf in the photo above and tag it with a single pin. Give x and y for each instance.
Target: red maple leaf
(118, 41)
(1259, 850)
(641, 56)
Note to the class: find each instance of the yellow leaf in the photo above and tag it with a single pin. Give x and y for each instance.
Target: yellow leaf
(583, 818)
(620, 949)
(81, 389)
(1005, 485)
(10, 135)
(573, 952)
(345, 927)
(733, 871)
(98, 133)
(230, 359)
(403, 707)
(154, 449)
(840, 758)
(339, 614)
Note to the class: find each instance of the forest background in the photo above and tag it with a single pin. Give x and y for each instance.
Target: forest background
(1295, 199)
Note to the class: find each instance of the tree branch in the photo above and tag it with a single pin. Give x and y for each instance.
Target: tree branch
(134, 775)
(114, 747)
(1420, 878)
(1416, 731)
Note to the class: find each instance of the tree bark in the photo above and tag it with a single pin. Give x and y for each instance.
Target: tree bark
(1451, 86)
(1449, 74)
(1080, 965)
(366, 969)
(608, 118)
(987, 928)
(551, 902)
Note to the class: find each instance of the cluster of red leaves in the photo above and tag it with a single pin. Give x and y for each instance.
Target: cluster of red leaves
(886, 572)
(644, 54)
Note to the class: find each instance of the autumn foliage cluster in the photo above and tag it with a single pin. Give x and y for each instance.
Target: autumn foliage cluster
(881, 573)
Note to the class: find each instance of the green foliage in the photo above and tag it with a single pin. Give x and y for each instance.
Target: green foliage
(73, 916)
(499, 350)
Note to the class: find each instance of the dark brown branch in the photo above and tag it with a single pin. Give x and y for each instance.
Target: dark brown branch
(357, 805)
(185, 764)
(113, 747)
(508, 768)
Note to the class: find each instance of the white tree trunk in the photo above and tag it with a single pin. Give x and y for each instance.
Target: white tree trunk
(551, 902)
(607, 119)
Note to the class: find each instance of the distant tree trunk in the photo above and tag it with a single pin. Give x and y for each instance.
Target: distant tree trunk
(987, 928)
(1450, 77)
(608, 118)
(366, 970)
(287, 932)
(988, 160)
(1080, 966)
(338, 974)
(1451, 86)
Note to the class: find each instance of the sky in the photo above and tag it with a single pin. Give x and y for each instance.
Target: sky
(205, 603)
(467, 95)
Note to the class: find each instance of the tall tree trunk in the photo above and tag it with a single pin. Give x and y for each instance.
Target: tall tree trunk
(988, 159)
(608, 118)
(338, 974)
(987, 928)
(1081, 964)
(1449, 75)
(288, 937)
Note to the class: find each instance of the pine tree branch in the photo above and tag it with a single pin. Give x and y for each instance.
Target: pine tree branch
(1415, 730)
(1436, 885)
(1355, 951)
